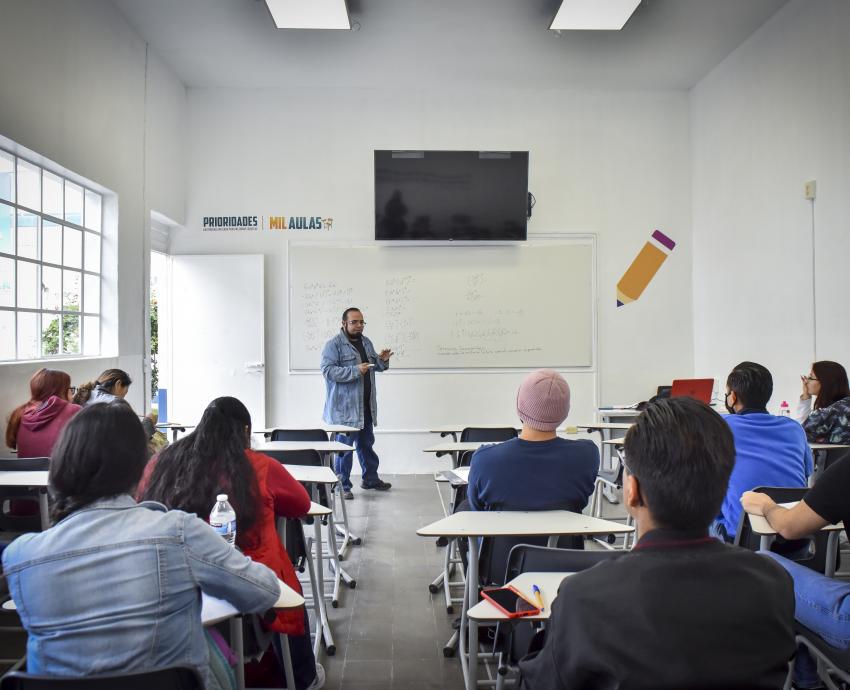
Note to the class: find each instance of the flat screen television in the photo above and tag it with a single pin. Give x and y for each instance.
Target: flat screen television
(451, 195)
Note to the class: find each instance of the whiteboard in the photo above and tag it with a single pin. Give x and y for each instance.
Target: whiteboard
(445, 307)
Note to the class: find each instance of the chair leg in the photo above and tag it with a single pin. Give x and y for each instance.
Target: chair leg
(287, 661)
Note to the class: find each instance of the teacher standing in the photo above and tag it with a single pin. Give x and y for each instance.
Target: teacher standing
(349, 362)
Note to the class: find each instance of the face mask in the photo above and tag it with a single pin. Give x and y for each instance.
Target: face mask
(730, 410)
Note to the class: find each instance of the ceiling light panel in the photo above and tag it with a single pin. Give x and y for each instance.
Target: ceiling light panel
(593, 15)
(309, 14)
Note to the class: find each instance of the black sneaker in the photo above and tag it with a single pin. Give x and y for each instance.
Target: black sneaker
(378, 485)
(347, 495)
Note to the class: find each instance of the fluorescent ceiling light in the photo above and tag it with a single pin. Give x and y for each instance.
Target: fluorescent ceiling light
(593, 15)
(309, 14)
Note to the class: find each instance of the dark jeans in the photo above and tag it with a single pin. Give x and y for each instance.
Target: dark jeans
(303, 661)
(363, 441)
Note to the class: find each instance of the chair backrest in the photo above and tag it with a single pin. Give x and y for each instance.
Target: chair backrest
(299, 435)
(24, 464)
(172, 678)
(23, 516)
(833, 455)
(472, 434)
(308, 457)
(748, 539)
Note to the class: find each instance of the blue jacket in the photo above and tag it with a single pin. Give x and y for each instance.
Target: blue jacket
(769, 451)
(344, 384)
(116, 587)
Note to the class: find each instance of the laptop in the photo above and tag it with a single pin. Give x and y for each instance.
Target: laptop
(700, 389)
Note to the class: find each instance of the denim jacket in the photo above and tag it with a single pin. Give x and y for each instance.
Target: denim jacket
(344, 384)
(116, 587)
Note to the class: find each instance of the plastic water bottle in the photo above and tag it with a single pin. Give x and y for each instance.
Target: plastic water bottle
(784, 409)
(223, 519)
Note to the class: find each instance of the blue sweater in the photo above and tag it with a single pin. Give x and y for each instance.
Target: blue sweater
(533, 475)
(769, 451)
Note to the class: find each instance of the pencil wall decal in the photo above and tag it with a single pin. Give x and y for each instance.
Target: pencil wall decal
(644, 267)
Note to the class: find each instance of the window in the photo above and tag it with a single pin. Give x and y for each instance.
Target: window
(50, 263)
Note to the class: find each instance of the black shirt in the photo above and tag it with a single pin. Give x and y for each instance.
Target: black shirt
(367, 377)
(830, 496)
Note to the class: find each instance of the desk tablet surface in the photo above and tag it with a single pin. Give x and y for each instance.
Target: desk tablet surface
(461, 472)
(15, 478)
(457, 446)
(318, 509)
(312, 475)
(760, 525)
(327, 428)
(320, 446)
(827, 446)
(608, 426)
(519, 523)
(548, 584)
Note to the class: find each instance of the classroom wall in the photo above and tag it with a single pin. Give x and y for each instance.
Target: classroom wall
(76, 90)
(771, 116)
(611, 163)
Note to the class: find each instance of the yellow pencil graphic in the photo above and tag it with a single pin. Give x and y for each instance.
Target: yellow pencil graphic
(644, 267)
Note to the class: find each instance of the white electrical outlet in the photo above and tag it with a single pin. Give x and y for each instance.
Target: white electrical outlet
(810, 190)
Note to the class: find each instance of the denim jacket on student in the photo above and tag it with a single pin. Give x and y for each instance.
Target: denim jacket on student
(344, 384)
(116, 587)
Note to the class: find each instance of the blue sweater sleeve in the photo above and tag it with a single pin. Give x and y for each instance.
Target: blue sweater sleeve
(473, 488)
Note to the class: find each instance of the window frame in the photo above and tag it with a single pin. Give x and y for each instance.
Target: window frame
(40, 264)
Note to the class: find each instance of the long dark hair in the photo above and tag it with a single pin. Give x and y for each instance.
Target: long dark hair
(105, 382)
(102, 452)
(833, 383)
(211, 460)
(43, 384)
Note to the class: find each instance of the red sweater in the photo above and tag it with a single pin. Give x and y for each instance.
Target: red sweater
(41, 425)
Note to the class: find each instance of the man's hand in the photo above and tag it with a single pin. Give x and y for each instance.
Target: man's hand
(364, 368)
(385, 355)
(756, 503)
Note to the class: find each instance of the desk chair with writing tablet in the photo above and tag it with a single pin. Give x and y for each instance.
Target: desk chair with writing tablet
(818, 551)
(22, 496)
(515, 641)
(299, 435)
(832, 662)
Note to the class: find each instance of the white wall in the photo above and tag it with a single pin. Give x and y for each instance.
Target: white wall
(75, 89)
(772, 115)
(615, 164)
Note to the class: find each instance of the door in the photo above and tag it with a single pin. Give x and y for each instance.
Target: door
(217, 335)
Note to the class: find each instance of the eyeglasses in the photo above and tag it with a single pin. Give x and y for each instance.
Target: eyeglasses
(73, 389)
(354, 323)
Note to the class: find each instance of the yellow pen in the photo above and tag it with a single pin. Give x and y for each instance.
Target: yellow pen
(537, 595)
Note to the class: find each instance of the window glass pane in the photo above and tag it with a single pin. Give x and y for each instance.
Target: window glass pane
(94, 210)
(7, 282)
(92, 252)
(51, 194)
(7, 335)
(91, 294)
(51, 242)
(28, 235)
(51, 288)
(91, 335)
(27, 285)
(7, 229)
(73, 203)
(27, 335)
(29, 185)
(50, 334)
(71, 290)
(7, 176)
(71, 334)
(73, 255)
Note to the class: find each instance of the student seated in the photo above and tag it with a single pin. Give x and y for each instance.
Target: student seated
(537, 470)
(114, 586)
(828, 420)
(823, 604)
(681, 609)
(34, 427)
(111, 385)
(769, 450)
(216, 458)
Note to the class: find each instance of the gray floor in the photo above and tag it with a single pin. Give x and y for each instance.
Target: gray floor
(390, 630)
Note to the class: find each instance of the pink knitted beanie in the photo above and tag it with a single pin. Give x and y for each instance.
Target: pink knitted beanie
(543, 400)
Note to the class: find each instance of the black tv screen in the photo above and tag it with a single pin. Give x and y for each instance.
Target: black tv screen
(451, 195)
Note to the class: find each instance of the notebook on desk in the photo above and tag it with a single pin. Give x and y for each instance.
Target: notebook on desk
(700, 389)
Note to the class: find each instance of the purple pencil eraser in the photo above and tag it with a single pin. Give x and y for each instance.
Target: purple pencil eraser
(660, 237)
